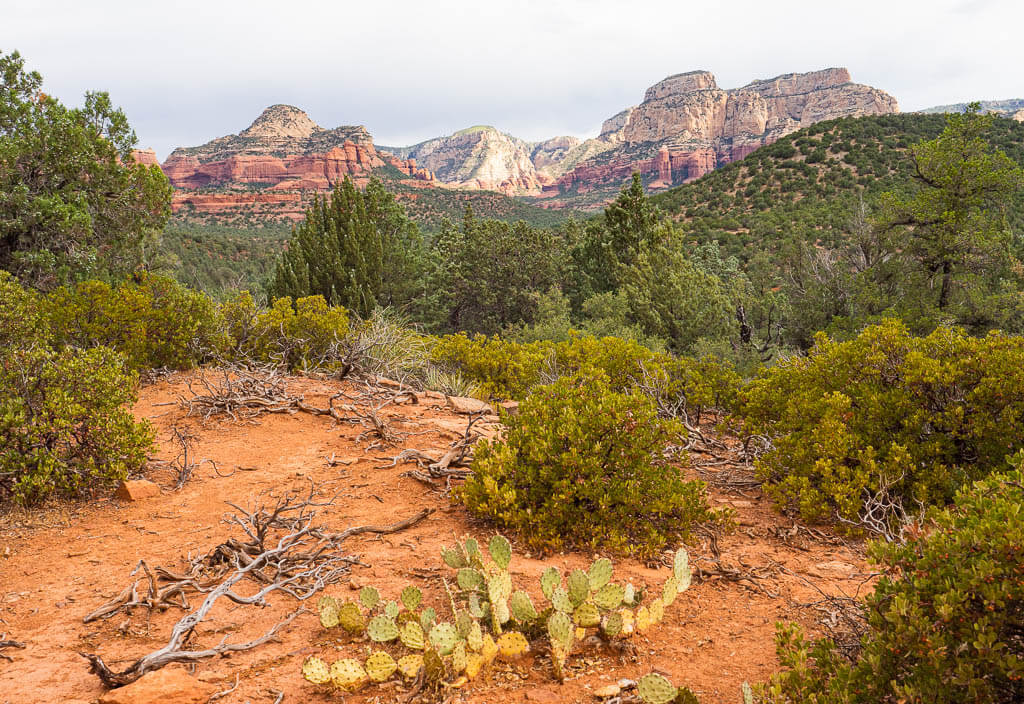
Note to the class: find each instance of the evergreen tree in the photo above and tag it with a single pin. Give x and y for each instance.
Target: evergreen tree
(357, 250)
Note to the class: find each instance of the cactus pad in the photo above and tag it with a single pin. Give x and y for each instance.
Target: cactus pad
(657, 611)
(427, 618)
(559, 654)
(501, 612)
(412, 636)
(655, 689)
(348, 674)
(369, 597)
(463, 623)
(472, 550)
(499, 587)
(380, 666)
(489, 649)
(549, 581)
(474, 663)
(522, 607)
(685, 696)
(748, 693)
(459, 657)
(316, 671)
(579, 587)
(475, 637)
(411, 598)
(476, 607)
(670, 590)
(433, 666)
(681, 564)
(560, 629)
(391, 609)
(628, 622)
(512, 644)
(560, 601)
(328, 613)
(351, 618)
(443, 637)
(643, 619)
(586, 615)
(469, 579)
(381, 629)
(612, 625)
(410, 665)
(501, 551)
(454, 558)
(609, 597)
(600, 573)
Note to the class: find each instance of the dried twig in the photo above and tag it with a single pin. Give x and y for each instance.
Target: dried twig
(5, 643)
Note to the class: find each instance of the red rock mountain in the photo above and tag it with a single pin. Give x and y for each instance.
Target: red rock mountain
(685, 127)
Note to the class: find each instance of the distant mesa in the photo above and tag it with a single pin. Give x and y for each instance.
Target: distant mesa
(1012, 109)
(685, 127)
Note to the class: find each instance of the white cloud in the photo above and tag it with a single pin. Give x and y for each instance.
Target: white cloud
(190, 71)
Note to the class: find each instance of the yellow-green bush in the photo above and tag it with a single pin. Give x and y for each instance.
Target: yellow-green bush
(501, 368)
(582, 464)
(916, 416)
(945, 620)
(303, 334)
(154, 321)
(63, 425)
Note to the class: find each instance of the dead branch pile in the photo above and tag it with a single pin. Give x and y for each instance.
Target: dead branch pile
(281, 550)
(453, 464)
(237, 391)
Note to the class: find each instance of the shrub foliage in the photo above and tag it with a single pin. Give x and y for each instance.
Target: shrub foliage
(887, 411)
(945, 620)
(581, 464)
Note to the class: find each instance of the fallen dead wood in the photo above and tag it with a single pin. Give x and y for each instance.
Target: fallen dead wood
(453, 464)
(5, 643)
(305, 559)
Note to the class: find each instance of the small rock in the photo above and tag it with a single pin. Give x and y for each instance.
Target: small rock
(165, 685)
(740, 503)
(467, 406)
(612, 690)
(136, 489)
(543, 696)
(831, 570)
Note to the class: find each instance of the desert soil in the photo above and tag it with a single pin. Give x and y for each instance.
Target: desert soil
(59, 563)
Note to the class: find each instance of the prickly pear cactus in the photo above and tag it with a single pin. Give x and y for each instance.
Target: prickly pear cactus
(522, 607)
(348, 675)
(512, 644)
(411, 598)
(549, 581)
(560, 601)
(433, 666)
(443, 637)
(328, 612)
(475, 637)
(501, 551)
(748, 693)
(609, 597)
(454, 558)
(382, 629)
(579, 587)
(655, 689)
(489, 649)
(410, 665)
(469, 579)
(474, 663)
(391, 609)
(459, 657)
(611, 626)
(600, 573)
(561, 629)
(427, 618)
(316, 671)
(412, 636)
(586, 615)
(351, 618)
(369, 597)
(380, 666)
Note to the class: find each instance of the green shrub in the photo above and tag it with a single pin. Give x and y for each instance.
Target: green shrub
(914, 418)
(154, 322)
(945, 622)
(581, 464)
(63, 425)
(501, 368)
(307, 334)
(22, 317)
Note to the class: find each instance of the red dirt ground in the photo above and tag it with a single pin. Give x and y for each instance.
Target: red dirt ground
(60, 563)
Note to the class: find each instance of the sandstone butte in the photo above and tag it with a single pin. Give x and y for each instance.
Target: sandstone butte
(685, 127)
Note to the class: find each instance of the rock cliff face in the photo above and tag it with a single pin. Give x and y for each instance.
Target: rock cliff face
(283, 150)
(687, 126)
(481, 158)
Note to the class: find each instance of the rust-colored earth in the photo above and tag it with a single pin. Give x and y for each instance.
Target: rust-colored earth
(60, 563)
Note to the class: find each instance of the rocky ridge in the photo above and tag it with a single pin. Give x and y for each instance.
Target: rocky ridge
(1012, 109)
(687, 126)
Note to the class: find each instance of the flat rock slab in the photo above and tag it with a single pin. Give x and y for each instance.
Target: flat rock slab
(467, 406)
(136, 489)
(162, 687)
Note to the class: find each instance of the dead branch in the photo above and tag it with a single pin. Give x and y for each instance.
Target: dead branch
(183, 464)
(305, 558)
(5, 643)
(453, 464)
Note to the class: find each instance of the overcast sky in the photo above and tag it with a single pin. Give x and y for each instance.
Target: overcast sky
(186, 72)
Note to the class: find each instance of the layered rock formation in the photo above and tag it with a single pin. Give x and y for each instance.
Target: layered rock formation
(283, 150)
(480, 158)
(1012, 109)
(687, 126)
